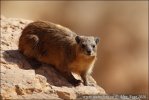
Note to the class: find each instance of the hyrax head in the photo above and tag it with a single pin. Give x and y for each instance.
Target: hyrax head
(87, 45)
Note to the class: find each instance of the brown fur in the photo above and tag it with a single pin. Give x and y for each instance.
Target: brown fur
(56, 45)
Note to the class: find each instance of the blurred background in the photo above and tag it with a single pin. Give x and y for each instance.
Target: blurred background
(122, 65)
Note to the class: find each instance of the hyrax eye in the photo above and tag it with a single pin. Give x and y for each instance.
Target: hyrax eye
(93, 46)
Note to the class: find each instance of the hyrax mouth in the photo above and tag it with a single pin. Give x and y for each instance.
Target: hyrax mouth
(89, 53)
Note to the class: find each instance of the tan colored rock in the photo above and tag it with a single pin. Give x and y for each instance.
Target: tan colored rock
(65, 92)
(20, 81)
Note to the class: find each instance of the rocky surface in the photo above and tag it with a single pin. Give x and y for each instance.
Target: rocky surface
(20, 81)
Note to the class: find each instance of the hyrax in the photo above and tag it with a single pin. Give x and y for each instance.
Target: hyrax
(58, 46)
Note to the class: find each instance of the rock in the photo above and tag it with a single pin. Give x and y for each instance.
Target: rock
(20, 81)
(65, 92)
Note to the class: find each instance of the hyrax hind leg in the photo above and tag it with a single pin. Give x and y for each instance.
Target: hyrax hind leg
(30, 48)
(28, 44)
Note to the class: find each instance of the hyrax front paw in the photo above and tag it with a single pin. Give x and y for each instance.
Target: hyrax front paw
(86, 83)
(75, 82)
(89, 83)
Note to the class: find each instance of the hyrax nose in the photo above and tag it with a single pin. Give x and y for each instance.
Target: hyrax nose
(89, 51)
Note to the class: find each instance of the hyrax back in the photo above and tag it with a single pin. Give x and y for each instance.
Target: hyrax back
(58, 46)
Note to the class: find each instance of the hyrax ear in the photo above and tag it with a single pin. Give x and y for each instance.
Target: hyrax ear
(78, 39)
(97, 40)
